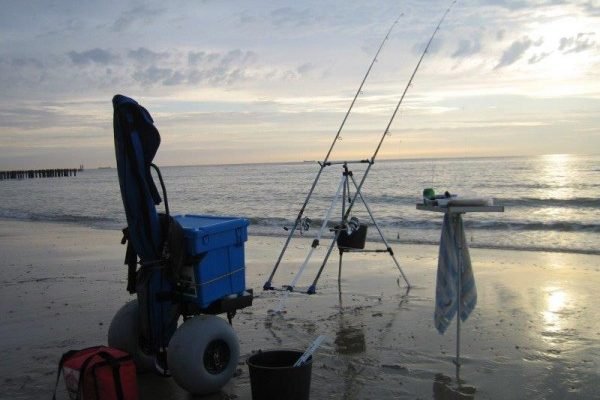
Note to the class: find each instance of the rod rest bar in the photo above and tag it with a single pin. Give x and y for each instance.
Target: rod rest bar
(353, 250)
(328, 163)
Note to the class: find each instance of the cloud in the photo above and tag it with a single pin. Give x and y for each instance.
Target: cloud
(137, 15)
(577, 44)
(70, 27)
(32, 116)
(93, 56)
(198, 57)
(514, 52)
(24, 62)
(288, 16)
(245, 18)
(305, 68)
(509, 4)
(232, 57)
(20, 72)
(281, 17)
(592, 9)
(238, 56)
(435, 46)
(466, 48)
(75, 72)
(194, 67)
(536, 58)
(520, 4)
(153, 74)
(145, 56)
(154, 68)
(25, 117)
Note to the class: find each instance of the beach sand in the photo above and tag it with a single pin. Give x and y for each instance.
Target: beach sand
(534, 334)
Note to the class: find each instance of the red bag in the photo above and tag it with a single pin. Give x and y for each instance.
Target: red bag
(98, 373)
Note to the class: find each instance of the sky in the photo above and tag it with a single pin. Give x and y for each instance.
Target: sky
(271, 81)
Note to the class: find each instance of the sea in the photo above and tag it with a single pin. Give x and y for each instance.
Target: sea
(551, 202)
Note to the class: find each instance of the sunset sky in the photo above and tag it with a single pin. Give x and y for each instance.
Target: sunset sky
(264, 81)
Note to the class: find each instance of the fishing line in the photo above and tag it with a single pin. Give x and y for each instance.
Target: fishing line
(386, 131)
(387, 128)
(324, 163)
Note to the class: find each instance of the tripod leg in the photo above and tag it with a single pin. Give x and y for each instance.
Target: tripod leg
(268, 285)
(340, 270)
(313, 287)
(389, 249)
(316, 241)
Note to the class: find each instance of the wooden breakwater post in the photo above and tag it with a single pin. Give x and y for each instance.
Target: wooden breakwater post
(39, 173)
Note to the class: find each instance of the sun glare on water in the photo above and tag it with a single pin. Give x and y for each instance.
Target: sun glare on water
(556, 173)
(556, 302)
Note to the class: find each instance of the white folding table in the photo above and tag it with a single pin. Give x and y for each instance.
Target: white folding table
(459, 210)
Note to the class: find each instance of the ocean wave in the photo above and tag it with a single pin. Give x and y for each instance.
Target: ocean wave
(398, 223)
(433, 242)
(277, 223)
(12, 214)
(575, 202)
(504, 246)
(559, 226)
(537, 202)
(87, 220)
(536, 186)
(274, 227)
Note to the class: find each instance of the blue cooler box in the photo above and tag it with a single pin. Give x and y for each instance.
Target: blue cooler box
(218, 243)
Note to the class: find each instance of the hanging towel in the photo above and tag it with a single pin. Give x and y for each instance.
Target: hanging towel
(453, 235)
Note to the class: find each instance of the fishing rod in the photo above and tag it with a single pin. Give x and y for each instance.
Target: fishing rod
(372, 160)
(387, 128)
(324, 163)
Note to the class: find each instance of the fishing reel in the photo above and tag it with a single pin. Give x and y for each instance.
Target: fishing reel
(349, 227)
(303, 225)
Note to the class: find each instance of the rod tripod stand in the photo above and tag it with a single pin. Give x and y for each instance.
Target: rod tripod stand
(347, 239)
(267, 285)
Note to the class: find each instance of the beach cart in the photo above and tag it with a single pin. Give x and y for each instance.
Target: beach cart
(188, 268)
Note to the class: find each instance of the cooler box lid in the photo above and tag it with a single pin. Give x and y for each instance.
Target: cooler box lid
(206, 232)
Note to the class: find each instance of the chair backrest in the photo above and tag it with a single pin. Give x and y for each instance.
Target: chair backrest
(136, 143)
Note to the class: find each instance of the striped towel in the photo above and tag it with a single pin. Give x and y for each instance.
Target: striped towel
(447, 274)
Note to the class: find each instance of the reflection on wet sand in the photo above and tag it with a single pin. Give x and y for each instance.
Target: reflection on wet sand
(444, 390)
(359, 348)
(350, 340)
(555, 307)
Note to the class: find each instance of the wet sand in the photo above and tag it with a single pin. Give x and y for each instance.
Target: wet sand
(535, 333)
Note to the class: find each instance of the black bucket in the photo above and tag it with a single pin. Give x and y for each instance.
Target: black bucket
(273, 376)
(355, 240)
